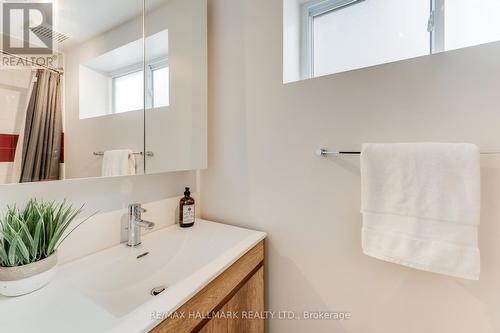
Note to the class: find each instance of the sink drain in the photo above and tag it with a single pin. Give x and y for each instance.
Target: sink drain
(157, 291)
(142, 255)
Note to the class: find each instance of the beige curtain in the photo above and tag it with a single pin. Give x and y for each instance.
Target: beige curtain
(43, 130)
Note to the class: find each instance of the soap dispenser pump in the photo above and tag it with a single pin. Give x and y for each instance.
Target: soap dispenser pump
(187, 210)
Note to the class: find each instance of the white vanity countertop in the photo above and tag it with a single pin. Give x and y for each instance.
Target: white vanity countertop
(110, 290)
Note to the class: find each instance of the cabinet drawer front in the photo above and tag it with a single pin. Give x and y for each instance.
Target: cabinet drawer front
(216, 295)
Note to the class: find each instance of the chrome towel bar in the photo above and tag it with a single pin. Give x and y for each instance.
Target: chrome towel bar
(325, 152)
(148, 153)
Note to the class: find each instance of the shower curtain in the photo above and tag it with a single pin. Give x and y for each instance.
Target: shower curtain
(43, 130)
(16, 168)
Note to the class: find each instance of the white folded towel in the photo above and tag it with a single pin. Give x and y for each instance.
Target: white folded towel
(421, 206)
(118, 163)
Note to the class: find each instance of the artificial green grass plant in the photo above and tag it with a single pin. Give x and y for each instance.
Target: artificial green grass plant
(34, 233)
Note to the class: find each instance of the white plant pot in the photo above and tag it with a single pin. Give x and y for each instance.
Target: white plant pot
(22, 280)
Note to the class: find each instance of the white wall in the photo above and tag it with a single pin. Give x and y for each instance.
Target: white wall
(291, 40)
(263, 173)
(14, 89)
(95, 93)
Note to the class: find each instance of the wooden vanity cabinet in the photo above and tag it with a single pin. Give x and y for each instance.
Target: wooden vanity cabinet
(232, 303)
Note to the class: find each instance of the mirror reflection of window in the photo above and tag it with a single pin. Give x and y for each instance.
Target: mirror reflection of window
(161, 96)
(128, 92)
(108, 86)
(157, 71)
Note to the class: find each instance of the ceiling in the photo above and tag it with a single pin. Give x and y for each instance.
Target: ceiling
(82, 20)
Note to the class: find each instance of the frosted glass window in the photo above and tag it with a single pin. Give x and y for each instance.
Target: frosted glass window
(128, 92)
(322, 37)
(369, 33)
(471, 23)
(161, 87)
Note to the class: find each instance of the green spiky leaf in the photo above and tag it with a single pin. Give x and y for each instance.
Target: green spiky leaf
(35, 232)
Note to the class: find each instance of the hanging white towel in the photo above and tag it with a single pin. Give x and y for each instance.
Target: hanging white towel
(421, 206)
(118, 163)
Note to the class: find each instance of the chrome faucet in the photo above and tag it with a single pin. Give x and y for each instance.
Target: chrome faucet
(135, 223)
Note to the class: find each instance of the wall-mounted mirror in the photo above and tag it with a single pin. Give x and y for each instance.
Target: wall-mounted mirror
(101, 89)
(176, 84)
(323, 37)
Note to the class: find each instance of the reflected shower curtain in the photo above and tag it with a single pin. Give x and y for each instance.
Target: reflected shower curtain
(43, 129)
(16, 168)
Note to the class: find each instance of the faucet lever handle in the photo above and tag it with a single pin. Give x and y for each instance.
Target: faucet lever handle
(135, 209)
(135, 223)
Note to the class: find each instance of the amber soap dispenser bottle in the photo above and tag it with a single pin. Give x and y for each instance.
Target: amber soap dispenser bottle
(186, 210)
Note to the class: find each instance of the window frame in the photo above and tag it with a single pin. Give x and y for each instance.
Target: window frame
(310, 10)
(314, 8)
(152, 66)
(148, 81)
(436, 26)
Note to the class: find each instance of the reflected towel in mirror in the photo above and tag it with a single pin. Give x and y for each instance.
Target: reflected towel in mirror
(118, 163)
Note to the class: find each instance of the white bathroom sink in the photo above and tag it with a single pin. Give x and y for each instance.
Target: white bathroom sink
(111, 291)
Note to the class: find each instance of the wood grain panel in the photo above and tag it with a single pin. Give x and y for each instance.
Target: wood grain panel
(214, 296)
(247, 304)
(218, 324)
